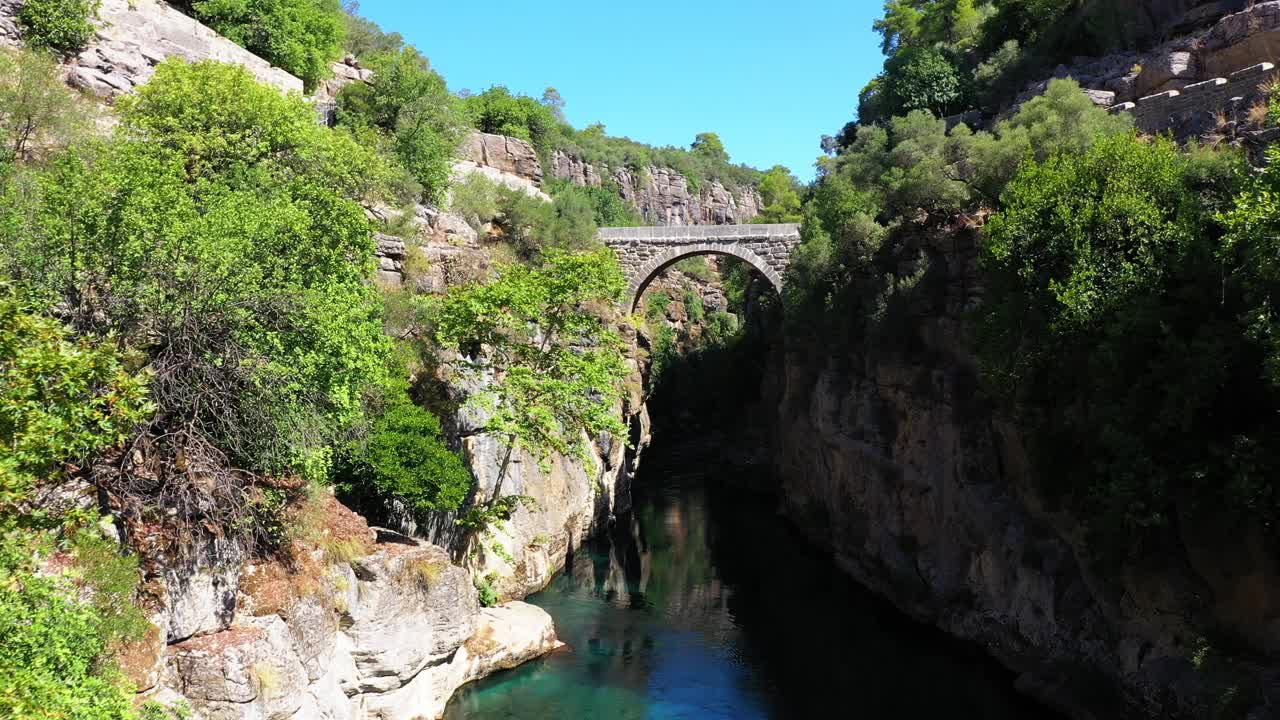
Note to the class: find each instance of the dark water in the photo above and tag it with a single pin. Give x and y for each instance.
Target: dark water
(705, 604)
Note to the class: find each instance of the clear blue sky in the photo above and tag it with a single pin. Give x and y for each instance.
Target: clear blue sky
(770, 77)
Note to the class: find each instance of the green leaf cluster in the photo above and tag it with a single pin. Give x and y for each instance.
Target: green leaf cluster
(61, 399)
(531, 225)
(301, 36)
(409, 104)
(219, 237)
(885, 174)
(405, 458)
(63, 26)
(54, 645)
(559, 364)
(1120, 327)
(39, 114)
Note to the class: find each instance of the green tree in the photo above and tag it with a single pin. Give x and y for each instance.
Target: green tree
(220, 240)
(410, 103)
(553, 102)
(778, 190)
(500, 112)
(63, 26)
(53, 648)
(1140, 397)
(61, 400)
(405, 458)
(39, 114)
(708, 145)
(363, 36)
(300, 36)
(560, 364)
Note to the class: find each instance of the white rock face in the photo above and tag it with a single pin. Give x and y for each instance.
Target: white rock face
(136, 35)
(505, 161)
(390, 636)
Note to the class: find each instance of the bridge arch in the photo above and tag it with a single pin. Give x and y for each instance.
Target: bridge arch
(652, 268)
(644, 252)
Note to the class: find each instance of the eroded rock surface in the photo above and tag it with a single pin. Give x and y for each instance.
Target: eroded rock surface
(133, 36)
(390, 635)
(663, 196)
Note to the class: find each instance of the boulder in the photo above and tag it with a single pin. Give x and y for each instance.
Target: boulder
(1165, 71)
(200, 588)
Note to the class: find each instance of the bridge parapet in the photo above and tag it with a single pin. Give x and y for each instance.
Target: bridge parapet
(645, 251)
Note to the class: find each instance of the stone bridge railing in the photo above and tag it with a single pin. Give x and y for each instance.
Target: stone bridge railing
(646, 251)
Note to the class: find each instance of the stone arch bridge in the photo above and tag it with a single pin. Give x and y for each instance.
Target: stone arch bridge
(646, 251)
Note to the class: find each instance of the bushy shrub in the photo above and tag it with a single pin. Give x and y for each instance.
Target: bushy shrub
(39, 114)
(405, 458)
(53, 645)
(301, 36)
(219, 238)
(608, 207)
(364, 37)
(64, 26)
(61, 399)
(563, 368)
(411, 104)
(500, 112)
(779, 190)
(923, 79)
(532, 225)
(1140, 396)
(883, 174)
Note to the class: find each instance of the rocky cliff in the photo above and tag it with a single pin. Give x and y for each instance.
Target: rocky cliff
(889, 457)
(1206, 83)
(663, 196)
(354, 623)
(133, 36)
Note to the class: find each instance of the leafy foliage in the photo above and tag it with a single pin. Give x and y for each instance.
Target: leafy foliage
(363, 37)
(39, 114)
(709, 145)
(219, 240)
(922, 79)
(61, 399)
(498, 111)
(532, 225)
(779, 190)
(411, 104)
(300, 36)
(882, 175)
(1142, 397)
(560, 366)
(405, 459)
(607, 206)
(53, 645)
(64, 26)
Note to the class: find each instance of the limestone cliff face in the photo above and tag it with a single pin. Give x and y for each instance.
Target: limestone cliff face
(888, 456)
(663, 196)
(133, 36)
(390, 633)
(1204, 83)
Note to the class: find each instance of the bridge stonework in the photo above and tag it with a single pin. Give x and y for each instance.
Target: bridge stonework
(646, 251)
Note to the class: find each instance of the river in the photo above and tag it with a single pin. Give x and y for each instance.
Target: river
(703, 603)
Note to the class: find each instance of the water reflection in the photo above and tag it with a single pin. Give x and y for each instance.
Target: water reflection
(703, 604)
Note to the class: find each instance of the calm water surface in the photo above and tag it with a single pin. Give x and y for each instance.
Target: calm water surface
(702, 603)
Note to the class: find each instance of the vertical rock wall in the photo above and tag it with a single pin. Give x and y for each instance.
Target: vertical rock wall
(663, 196)
(889, 457)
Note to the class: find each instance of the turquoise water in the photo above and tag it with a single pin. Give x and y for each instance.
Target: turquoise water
(703, 604)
